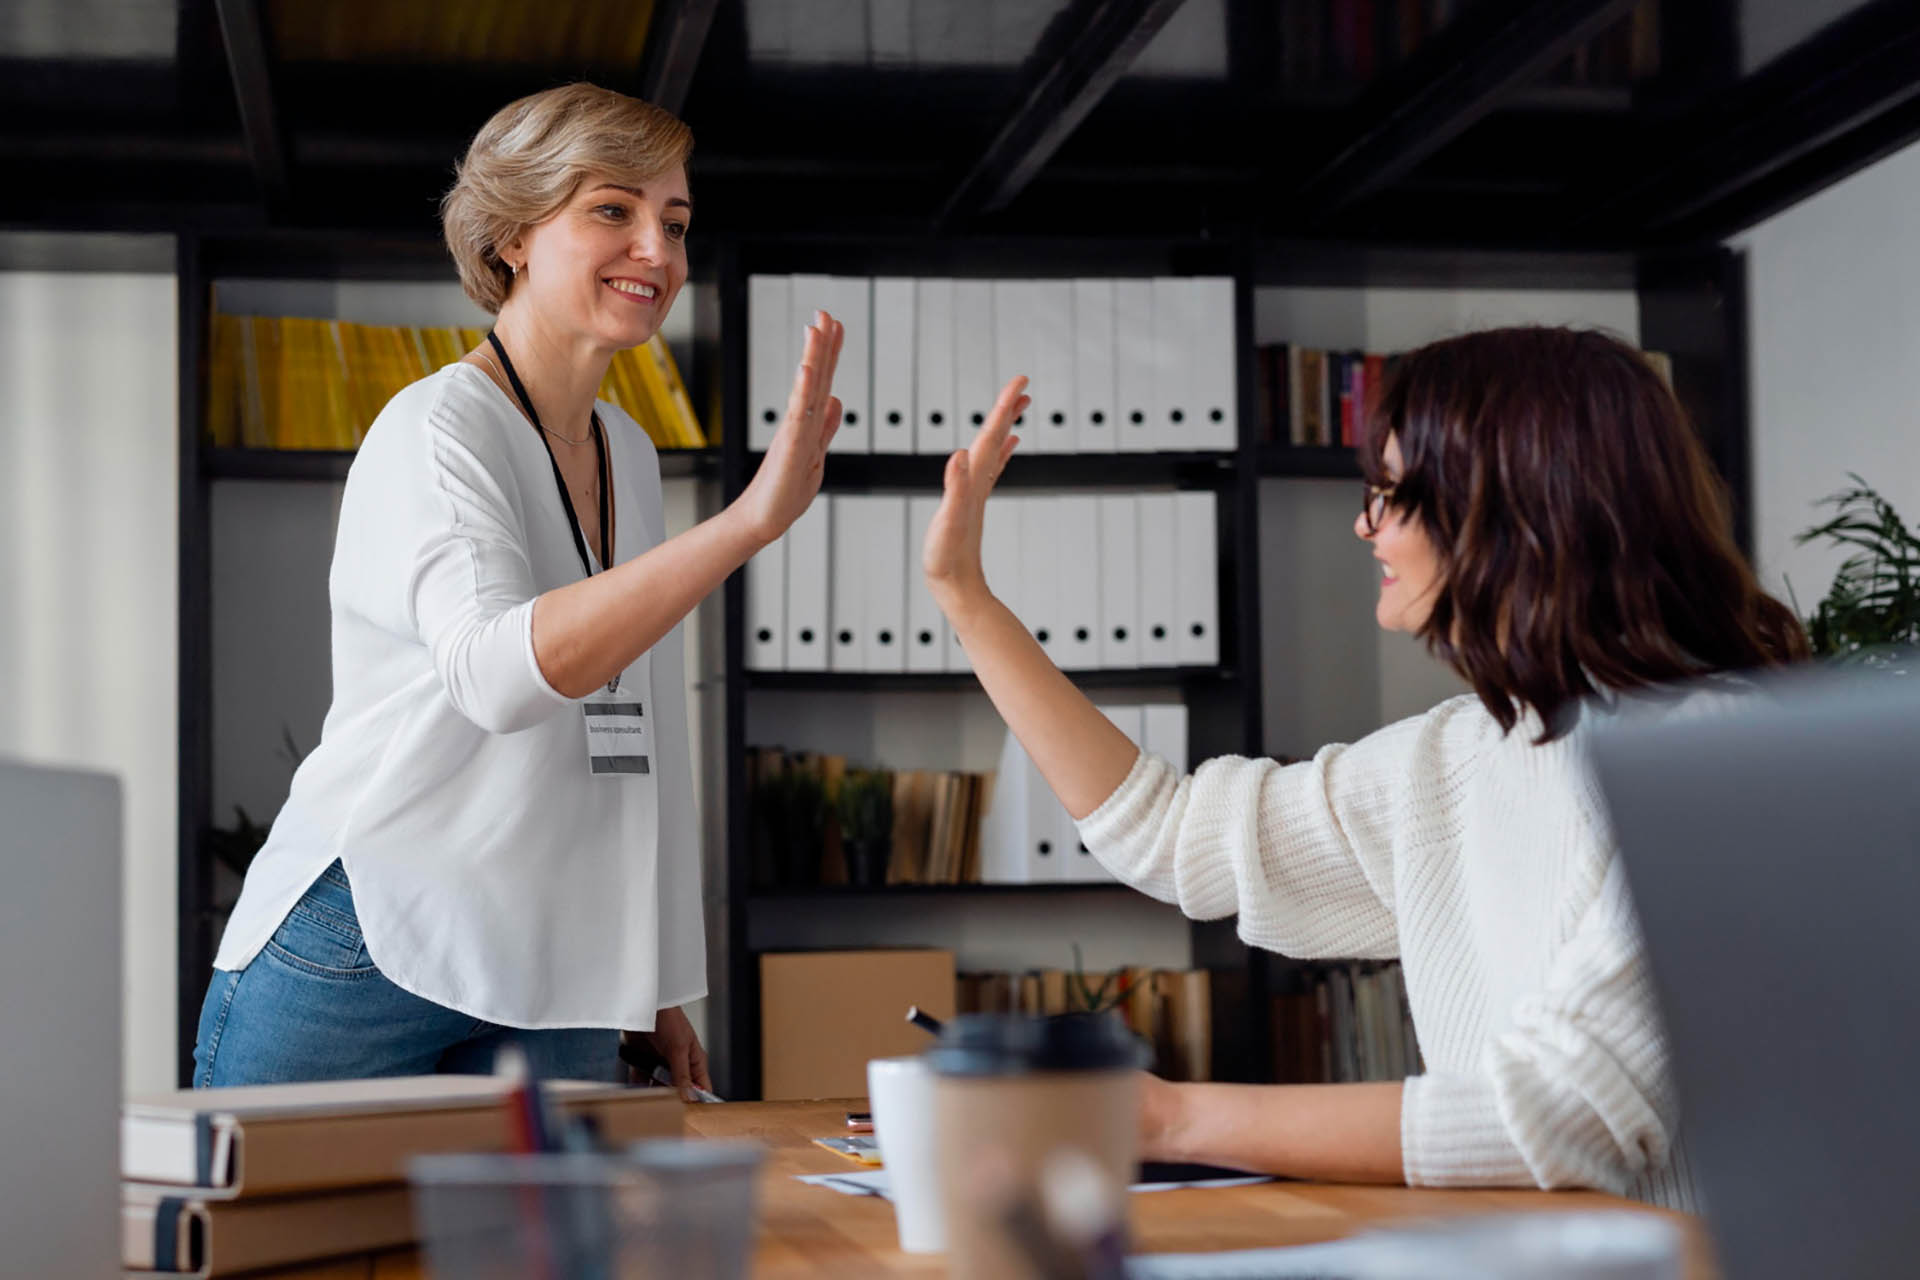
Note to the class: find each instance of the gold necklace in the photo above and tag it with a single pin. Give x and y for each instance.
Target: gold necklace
(500, 380)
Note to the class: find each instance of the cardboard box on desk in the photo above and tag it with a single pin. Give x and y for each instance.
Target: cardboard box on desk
(823, 1014)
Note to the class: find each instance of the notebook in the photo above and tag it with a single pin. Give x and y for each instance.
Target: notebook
(261, 1140)
(189, 1236)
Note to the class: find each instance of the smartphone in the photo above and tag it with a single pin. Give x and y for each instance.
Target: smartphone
(860, 1121)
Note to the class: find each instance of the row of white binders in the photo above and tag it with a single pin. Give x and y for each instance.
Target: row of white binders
(1028, 837)
(1115, 366)
(1113, 581)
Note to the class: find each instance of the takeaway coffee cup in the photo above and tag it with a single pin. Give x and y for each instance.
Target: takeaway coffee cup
(1012, 1092)
(900, 1092)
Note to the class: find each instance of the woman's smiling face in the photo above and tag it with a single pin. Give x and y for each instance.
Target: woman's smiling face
(610, 263)
(1409, 565)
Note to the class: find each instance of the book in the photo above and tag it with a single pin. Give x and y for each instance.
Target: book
(176, 1235)
(262, 1140)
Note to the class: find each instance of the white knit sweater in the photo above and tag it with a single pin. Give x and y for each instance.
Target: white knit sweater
(1486, 864)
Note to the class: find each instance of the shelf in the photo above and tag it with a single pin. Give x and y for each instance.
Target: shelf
(1331, 462)
(941, 681)
(332, 464)
(1031, 470)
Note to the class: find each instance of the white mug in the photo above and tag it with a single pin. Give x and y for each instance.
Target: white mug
(900, 1095)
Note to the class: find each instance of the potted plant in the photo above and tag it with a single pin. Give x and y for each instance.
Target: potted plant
(1871, 613)
(865, 806)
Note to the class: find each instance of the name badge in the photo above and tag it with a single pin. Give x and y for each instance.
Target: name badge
(619, 739)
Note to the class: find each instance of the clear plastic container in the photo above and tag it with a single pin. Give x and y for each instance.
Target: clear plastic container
(677, 1208)
(1509, 1246)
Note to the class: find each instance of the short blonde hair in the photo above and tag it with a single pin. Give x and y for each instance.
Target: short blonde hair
(529, 159)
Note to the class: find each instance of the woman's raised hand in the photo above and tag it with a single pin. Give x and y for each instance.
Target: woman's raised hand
(952, 557)
(790, 474)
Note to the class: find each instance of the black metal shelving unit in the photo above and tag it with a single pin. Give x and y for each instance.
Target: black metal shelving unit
(1469, 157)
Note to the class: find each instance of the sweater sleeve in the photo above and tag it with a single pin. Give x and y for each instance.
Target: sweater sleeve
(1574, 1093)
(470, 590)
(1303, 853)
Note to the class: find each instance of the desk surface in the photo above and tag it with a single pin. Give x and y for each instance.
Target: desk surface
(808, 1231)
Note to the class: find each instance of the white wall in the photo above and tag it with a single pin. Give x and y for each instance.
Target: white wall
(1834, 338)
(1329, 673)
(89, 526)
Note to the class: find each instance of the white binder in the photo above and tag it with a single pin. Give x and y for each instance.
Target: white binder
(847, 617)
(1119, 516)
(771, 359)
(894, 355)
(1133, 370)
(767, 608)
(1051, 421)
(1002, 559)
(974, 389)
(933, 403)
(1158, 647)
(1197, 579)
(1076, 549)
(1093, 366)
(1003, 827)
(1215, 365)
(927, 630)
(1013, 337)
(1171, 418)
(808, 573)
(1041, 572)
(1049, 849)
(1164, 734)
(886, 585)
(850, 300)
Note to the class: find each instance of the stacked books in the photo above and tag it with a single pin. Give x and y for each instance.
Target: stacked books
(283, 382)
(219, 1182)
(1344, 1022)
(1170, 1009)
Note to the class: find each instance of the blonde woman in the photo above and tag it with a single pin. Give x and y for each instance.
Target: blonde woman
(494, 840)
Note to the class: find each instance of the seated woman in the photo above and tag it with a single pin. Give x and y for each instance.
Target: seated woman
(1546, 521)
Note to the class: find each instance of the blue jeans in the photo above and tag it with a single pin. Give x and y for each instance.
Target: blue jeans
(311, 1006)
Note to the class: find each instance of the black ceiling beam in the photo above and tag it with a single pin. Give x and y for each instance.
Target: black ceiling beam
(1783, 133)
(1083, 53)
(253, 90)
(674, 42)
(1454, 81)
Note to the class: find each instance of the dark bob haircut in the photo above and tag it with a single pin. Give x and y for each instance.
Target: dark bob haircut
(1584, 538)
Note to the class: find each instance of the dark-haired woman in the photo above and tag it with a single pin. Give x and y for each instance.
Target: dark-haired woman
(1546, 521)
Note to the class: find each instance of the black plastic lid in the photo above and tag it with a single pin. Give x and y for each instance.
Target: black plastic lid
(1005, 1044)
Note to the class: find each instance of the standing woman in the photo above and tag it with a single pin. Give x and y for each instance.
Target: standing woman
(1546, 521)
(494, 839)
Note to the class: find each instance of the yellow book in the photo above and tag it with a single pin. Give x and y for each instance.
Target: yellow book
(364, 398)
(623, 384)
(655, 408)
(223, 382)
(342, 429)
(305, 417)
(442, 345)
(688, 422)
(260, 383)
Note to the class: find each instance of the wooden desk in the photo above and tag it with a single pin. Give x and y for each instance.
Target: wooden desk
(808, 1231)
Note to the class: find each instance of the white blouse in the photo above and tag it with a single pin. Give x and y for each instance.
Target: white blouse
(492, 872)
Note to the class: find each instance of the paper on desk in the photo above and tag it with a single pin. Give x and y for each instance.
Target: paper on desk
(873, 1182)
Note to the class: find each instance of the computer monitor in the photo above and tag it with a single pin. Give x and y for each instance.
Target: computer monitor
(1774, 857)
(59, 1022)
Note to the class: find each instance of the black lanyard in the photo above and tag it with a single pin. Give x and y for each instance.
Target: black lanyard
(566, 499)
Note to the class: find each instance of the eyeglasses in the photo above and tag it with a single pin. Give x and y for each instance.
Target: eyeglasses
(1374, 501)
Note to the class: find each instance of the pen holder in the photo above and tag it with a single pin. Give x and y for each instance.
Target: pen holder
(679, 1208)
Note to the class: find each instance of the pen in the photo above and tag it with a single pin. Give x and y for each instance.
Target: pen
(662, 1076)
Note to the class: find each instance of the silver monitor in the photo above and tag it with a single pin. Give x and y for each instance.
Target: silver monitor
(59, 1022)
(1774, 857)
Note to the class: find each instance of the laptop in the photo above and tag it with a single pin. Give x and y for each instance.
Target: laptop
(59, 1023)
(1774, 857)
